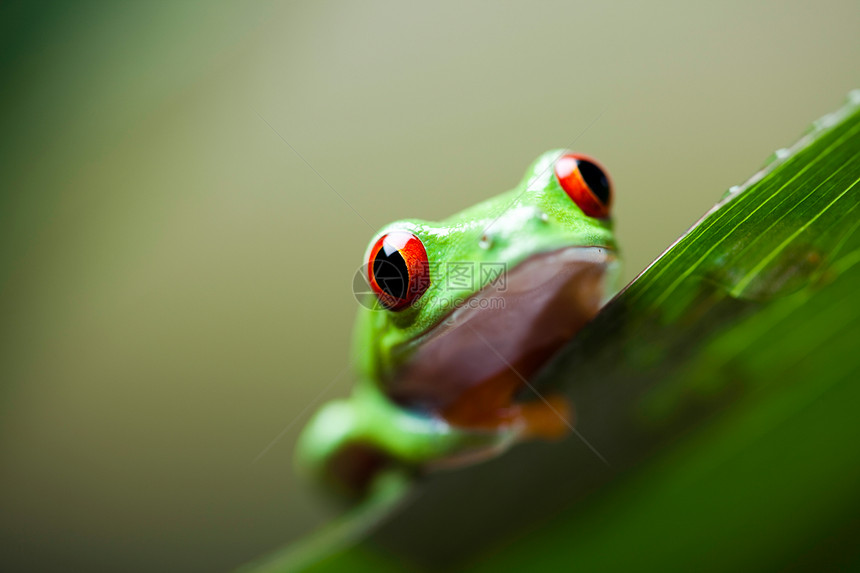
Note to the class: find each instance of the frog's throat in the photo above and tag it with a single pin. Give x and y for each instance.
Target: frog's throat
(505, 332)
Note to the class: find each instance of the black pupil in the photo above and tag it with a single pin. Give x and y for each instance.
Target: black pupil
(596, 180)
(391, 273)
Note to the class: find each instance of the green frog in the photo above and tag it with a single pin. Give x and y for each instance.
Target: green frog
(461, 315)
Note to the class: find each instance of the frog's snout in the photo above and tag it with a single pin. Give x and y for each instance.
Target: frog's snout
(523, 217)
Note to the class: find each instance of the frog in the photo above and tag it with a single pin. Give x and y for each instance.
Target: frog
(460, 315)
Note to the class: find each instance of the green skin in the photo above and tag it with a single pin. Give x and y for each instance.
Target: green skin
(535, 217)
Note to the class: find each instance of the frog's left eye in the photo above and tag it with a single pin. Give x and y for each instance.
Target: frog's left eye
(398, 270)
(585, 181)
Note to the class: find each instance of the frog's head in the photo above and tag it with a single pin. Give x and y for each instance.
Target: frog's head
(499, 286)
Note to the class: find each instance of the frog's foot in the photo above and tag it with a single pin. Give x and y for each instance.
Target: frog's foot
(491, 407)
(550, 418)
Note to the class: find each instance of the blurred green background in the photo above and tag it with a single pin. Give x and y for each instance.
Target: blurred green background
(176, 280)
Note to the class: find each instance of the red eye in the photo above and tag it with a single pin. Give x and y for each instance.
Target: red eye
(398, 270)
(585, 181)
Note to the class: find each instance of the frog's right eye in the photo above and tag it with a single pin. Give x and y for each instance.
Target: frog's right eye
(586, 183)
(398, 270)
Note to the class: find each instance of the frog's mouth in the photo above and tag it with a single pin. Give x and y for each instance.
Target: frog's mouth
(501, 336)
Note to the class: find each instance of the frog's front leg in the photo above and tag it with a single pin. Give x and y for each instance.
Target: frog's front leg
(350, 442)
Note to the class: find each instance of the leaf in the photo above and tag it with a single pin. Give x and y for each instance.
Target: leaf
(722, 386)
(737, 354)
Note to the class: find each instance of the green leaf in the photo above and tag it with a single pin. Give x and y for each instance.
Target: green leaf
(722, 385)
(736, 354)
